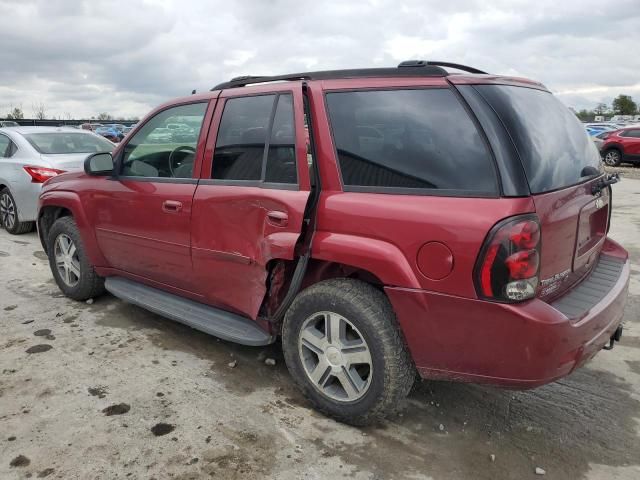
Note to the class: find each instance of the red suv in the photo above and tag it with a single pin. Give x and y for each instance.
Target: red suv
(434, 222)
(621, 146)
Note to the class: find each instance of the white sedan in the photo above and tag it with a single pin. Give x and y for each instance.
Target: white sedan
(31, 155)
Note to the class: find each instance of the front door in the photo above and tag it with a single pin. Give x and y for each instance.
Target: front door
(249, 206)
(143, 216)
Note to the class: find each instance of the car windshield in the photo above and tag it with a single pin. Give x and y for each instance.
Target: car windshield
(67, 142)
(555, 150)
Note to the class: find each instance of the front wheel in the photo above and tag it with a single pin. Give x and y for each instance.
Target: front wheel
(612, 158)
(69, 264)
(344, 350)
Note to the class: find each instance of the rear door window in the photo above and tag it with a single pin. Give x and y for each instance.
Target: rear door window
(423, 139)
(256, 140)
(552, 144)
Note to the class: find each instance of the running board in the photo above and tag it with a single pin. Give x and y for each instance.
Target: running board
(211, 320)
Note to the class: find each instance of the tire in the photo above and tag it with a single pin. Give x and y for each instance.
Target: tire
(9, 215)
(612, 157)
(363, 314)
(87, 284)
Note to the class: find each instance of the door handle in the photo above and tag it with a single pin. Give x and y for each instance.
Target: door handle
(277, 218)
(171, 206)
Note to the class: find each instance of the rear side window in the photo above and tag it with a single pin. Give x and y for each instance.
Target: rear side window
(256, 140)
(555, 150)
(409, 139)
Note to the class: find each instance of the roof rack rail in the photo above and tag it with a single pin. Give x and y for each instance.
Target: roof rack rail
(424, 70)
(424, 63)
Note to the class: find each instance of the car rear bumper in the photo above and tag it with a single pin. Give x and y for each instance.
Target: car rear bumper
(511, 345)
(26, 194)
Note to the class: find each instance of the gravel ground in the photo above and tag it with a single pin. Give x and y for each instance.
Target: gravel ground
(626, 171)
(108, 390)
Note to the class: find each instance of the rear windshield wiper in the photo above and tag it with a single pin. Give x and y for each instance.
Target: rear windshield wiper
(605, 181)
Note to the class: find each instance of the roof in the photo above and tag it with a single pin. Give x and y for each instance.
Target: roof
(410, 68)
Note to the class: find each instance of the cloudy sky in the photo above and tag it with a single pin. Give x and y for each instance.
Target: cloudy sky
(82, 57)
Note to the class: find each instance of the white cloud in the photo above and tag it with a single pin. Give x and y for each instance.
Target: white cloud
(126, 56)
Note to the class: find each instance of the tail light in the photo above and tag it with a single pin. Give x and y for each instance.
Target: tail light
(509, 262)
(41, 174)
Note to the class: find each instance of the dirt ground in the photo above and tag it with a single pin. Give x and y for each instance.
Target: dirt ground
(111, 391)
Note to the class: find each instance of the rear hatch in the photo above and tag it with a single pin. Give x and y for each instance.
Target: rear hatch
(561, 164)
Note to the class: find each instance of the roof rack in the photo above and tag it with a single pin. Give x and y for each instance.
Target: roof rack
(423, 63)
(410, 68)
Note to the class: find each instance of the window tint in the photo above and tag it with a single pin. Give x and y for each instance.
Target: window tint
(551, 141)
(158, 151)
(4, 146)
(241, 138)
(409, 139)
(632, 133)
(281, 159)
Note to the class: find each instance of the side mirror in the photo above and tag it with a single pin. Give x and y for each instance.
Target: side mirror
(99, 164)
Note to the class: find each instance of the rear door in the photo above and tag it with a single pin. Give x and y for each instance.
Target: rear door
(249, 206)
(561, 164)
(143, 215)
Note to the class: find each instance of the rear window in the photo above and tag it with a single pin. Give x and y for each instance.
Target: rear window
(61, 143)
(555, 150)
(409, 139)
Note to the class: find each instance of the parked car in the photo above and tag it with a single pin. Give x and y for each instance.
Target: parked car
(91, 126)
(603, 126)
(432, 231)
(8, 123)
(110, 133)
(31, 155)
(622, 146)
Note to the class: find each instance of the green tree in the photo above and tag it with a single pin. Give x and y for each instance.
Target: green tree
(624, 105)
(585, 115)
(15, 114)
(601, 109)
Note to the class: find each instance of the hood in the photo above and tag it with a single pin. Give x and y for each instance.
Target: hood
(67, 161)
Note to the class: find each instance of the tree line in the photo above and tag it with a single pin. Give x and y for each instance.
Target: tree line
(621, 105)
(39, 111)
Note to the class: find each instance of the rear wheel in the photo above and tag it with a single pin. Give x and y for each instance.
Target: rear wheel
(344, 350)
(69, 264)
(9, 215)
(612, 157)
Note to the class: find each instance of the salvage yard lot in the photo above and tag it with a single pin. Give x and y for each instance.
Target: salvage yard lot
(118, 392)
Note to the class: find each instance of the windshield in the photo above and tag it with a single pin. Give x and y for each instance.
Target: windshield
(63, 142)
(554, 148)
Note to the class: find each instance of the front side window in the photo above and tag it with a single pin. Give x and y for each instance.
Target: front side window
(632, 133)
(158, 151)
(409, 139)
(256, 140)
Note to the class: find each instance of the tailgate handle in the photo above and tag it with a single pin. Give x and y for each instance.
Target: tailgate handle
(277, 218)
(171, 206)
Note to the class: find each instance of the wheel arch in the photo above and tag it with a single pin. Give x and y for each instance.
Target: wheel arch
(54, 205)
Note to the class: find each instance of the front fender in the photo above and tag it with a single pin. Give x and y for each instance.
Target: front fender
(382, 259)
(71, 202)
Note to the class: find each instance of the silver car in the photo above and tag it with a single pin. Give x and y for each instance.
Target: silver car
(31, 155)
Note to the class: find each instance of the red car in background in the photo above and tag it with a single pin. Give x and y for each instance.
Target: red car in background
(622, 146)
(421, 225)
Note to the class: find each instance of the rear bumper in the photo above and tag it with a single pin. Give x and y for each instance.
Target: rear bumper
(518, 345)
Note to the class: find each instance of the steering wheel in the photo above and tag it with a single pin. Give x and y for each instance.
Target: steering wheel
(181, 148)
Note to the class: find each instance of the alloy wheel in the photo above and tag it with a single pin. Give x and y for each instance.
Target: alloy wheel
(612, 158)
(335, 356)
(7, 211)
(67, 260)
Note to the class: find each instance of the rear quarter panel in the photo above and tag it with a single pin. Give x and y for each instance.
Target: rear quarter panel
(383, 233)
